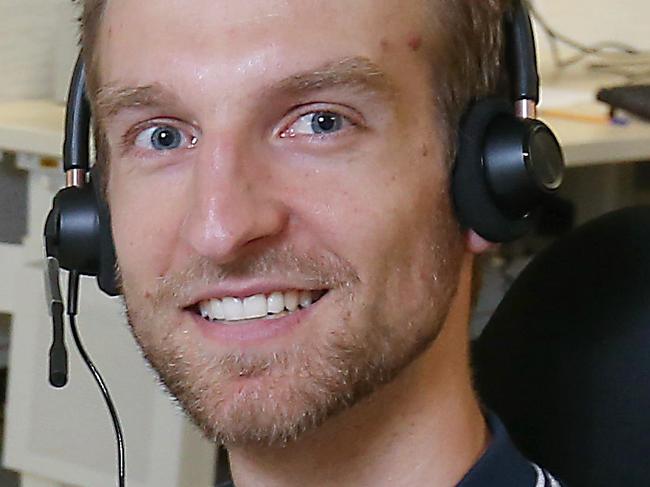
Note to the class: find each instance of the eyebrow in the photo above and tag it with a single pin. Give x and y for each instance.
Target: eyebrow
(355, 72)
(351, 71)
(111, 99)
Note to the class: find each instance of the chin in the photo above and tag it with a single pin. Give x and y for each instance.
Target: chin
(257, 411)
(253, 396)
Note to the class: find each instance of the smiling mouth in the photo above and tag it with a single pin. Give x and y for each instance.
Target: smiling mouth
(232, 310)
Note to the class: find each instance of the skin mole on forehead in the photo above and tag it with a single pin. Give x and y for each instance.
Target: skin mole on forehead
(415, 42)
(384, 44)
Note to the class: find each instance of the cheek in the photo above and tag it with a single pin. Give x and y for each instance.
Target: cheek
(145, 218)
(399, 231)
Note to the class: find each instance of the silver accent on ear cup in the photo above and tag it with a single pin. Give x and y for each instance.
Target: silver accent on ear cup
(75, 178)
(525, 109)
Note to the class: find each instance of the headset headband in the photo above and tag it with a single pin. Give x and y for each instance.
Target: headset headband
(77, 123)
(521, 49)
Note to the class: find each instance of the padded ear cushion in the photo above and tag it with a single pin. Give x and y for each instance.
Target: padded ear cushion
(475, 203)
(107, 273)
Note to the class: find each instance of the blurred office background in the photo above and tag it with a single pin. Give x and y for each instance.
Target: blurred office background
(57, 438)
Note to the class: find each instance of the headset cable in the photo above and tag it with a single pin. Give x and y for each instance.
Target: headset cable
(73, 295)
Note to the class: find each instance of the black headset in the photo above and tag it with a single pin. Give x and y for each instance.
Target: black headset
(77, 230)
(507, 161)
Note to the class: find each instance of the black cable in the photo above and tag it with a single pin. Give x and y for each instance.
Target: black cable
(584, 48)
(598, 50)
(73, 293)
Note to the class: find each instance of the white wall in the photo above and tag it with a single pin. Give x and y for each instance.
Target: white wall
(31, 33)
(591, 21)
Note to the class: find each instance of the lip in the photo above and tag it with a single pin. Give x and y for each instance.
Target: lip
(250, 289)
(253, 332)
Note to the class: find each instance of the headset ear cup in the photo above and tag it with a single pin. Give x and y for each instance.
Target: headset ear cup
(475, 204)
(107, 273)
(72, 230)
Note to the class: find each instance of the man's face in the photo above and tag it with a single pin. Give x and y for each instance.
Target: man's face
(276, 150)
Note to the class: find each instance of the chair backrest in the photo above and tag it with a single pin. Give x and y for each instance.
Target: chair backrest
(565, 359)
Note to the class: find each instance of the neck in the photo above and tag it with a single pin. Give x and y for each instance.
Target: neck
(424, 428)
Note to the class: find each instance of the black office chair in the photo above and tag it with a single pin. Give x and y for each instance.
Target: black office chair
(565, 360)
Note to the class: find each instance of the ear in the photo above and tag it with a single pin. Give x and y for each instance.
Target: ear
(476, 244)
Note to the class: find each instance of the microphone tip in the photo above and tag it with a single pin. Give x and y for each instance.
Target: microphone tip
(58, 379)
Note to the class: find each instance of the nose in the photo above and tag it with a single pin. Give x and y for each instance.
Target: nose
(232, 204)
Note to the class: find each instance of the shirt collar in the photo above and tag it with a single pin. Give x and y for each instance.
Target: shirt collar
(501, 464)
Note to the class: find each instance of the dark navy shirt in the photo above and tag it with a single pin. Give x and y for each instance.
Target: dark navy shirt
(503, 465)
(500, 466)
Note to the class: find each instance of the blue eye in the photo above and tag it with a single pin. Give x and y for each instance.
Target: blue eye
(317, 123)
(160, 138)
(326, 122)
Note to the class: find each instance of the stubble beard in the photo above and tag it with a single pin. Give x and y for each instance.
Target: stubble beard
(239, 398)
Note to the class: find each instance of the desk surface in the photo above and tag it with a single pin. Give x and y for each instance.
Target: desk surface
(37, 127)
(34, 126)
(588, 143)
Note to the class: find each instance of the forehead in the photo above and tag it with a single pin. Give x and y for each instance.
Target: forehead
(211, 38)
(204, 18)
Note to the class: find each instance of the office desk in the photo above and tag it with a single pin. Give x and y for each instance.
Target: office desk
(587, 143)
(32, 127)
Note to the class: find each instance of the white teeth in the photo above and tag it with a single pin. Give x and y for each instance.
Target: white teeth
(276, 303)
(305, 299)
(233, 308)
(205, 308)
(255, 306)
(252, 307)
(216, 309)
(291, 300)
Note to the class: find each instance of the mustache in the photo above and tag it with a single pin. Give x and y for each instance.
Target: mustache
(319, 271)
